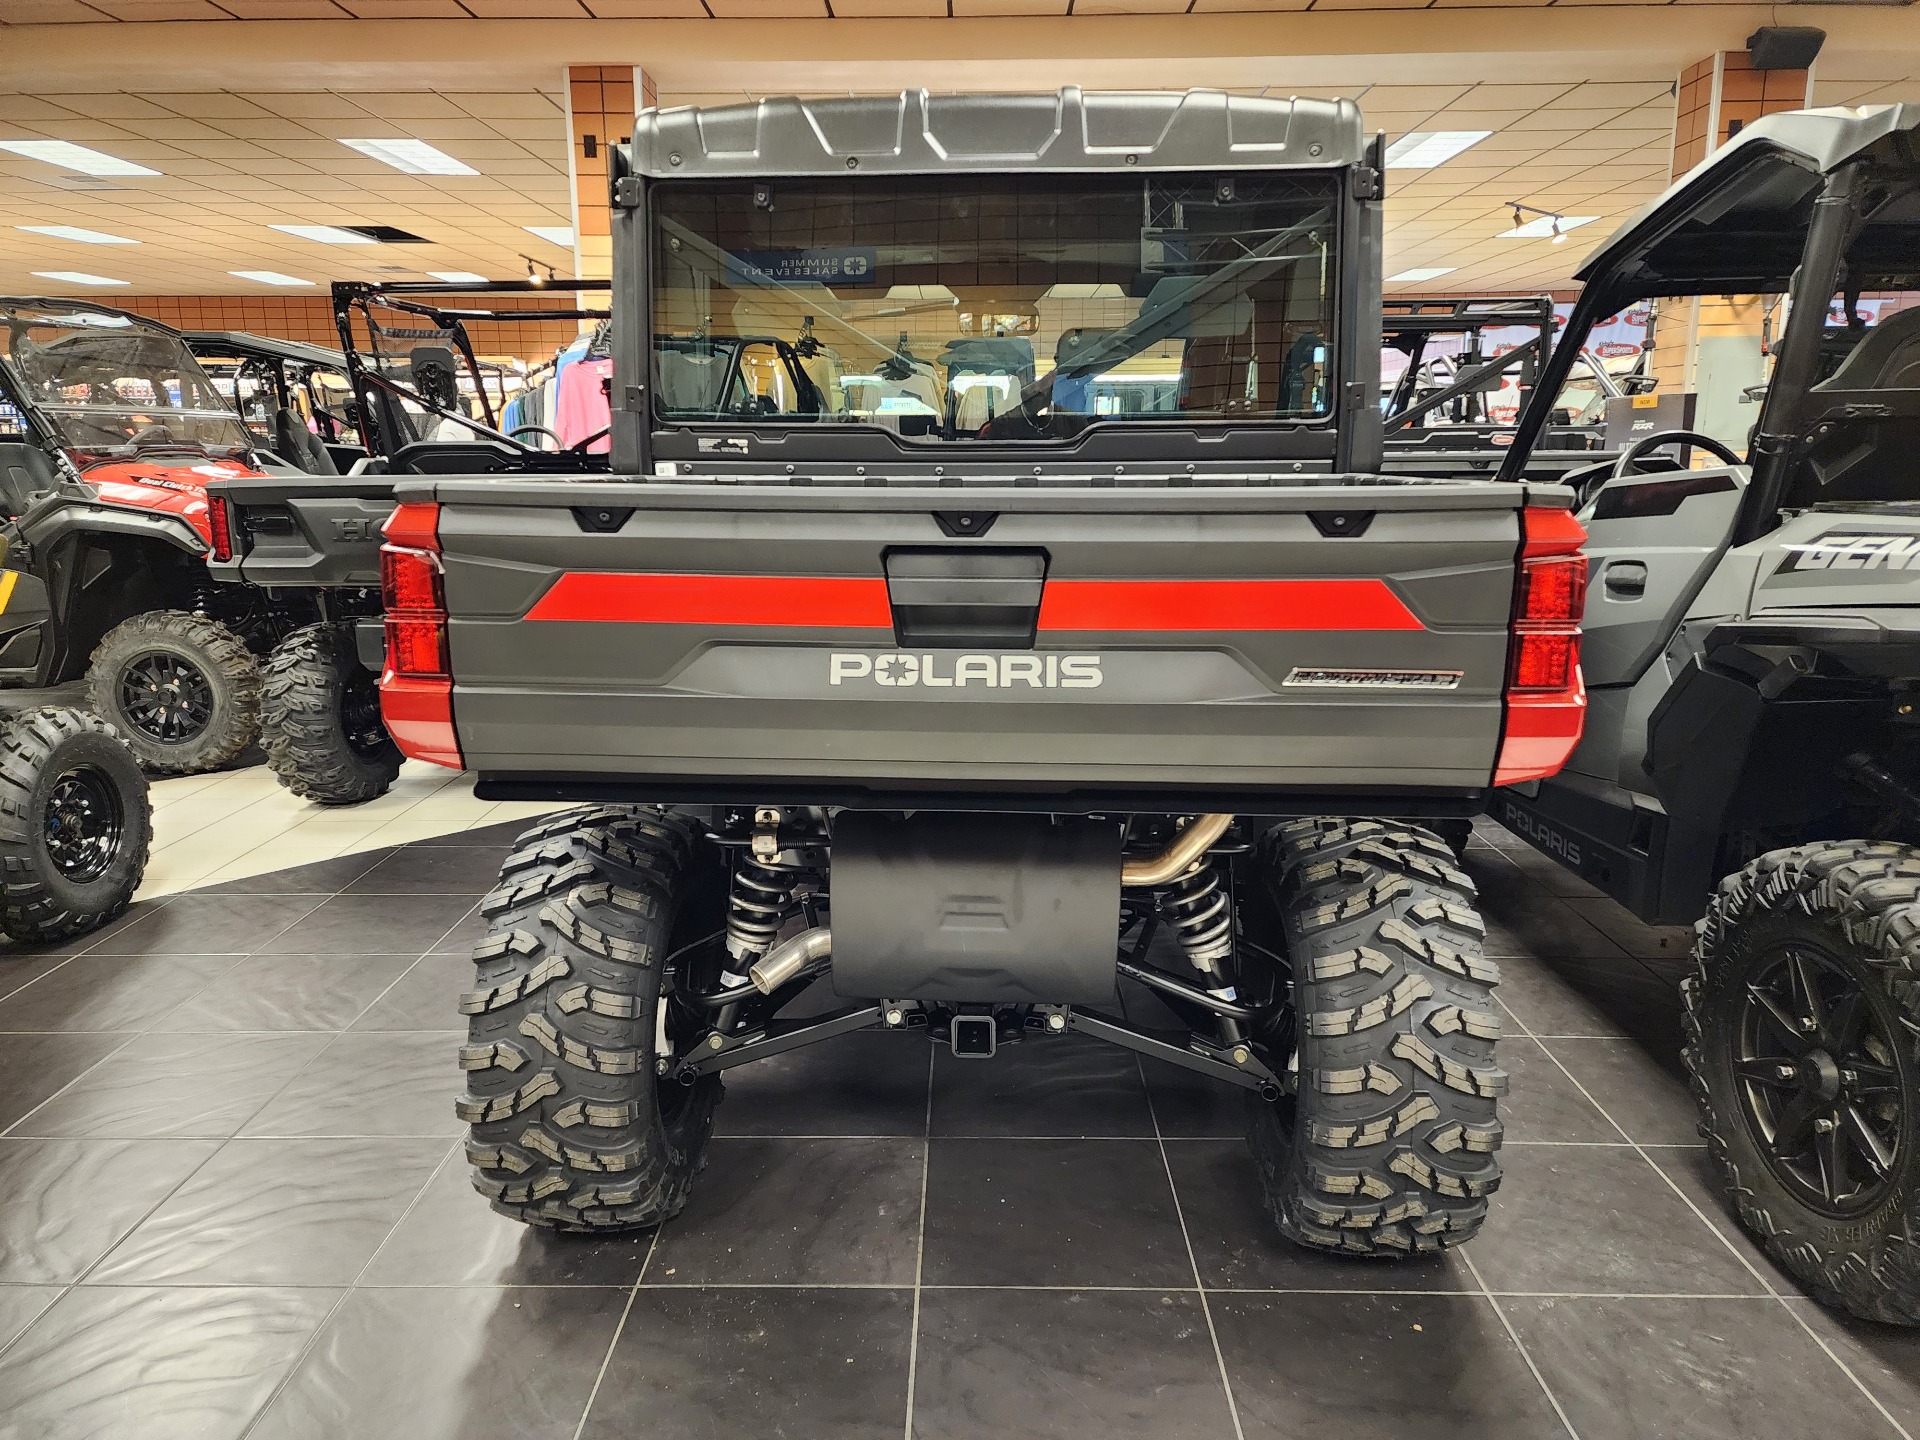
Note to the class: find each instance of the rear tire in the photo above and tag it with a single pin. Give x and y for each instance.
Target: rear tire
(1386, 1148)
(320, 719)
(1840, 920)
(75, 824)
(571, 1127)
(182, 690)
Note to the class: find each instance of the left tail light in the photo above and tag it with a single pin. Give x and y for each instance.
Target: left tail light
(1546, 700)
(416, 687)
(220, 527)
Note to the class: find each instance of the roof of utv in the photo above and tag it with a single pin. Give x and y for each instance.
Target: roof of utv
(1735, 223)
(270, 347)
(920, 133)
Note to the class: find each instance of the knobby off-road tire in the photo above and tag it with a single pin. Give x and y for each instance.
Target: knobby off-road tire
(320, 719)
(164, 641)
(75, 824)
(571, 1128)
(1850, 910)
(1386, 1148)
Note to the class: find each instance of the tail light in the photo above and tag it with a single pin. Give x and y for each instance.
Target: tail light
(1546, 700)
(416, 688)
(220, 527)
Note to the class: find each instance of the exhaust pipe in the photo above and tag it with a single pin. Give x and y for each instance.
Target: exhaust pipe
(787, 961)
(1187, 847)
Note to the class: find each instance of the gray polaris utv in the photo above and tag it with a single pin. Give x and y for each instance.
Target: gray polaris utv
(1752, 656)
(995, 601)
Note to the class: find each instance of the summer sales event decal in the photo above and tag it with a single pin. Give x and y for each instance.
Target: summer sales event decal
(1084, 606)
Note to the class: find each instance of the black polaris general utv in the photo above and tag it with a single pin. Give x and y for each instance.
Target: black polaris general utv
(1752, 750)
(968, 698)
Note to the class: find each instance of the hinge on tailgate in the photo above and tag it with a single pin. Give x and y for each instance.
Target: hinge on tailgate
(1366, 183)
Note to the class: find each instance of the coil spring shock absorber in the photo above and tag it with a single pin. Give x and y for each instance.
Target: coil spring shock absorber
(761, 898)
(1199, 910)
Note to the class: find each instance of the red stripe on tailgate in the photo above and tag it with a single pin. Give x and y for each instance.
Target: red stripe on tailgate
(1149, 605)
(829, 603)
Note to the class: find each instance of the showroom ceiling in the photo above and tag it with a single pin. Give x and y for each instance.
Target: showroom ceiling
(234, 162)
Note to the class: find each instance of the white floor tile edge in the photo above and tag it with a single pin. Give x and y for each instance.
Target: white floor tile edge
(208, 829)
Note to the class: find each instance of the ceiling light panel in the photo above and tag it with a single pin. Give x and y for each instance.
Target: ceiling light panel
(75, 233)
(1421, 272)
(1424, 149)
(69, 156)
(77, 277)
(561, 235)
(458, 277)
(325, 234)
(1545, 227)
(268, 277)
(415, 157)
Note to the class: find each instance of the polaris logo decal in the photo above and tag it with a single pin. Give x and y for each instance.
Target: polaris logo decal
(1373, 679)
(899, 669)
(1854, 552)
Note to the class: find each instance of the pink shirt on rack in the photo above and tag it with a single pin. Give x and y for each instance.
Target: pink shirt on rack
(581, 408)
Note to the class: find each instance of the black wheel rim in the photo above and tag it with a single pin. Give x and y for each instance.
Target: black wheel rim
(84, 823)
(166, 697)
(360, 718)
(1820, 1073)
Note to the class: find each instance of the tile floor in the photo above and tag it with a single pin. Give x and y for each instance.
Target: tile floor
(233, 1203)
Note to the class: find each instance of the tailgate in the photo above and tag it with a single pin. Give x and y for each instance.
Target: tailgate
(727, 642)
(319, 532)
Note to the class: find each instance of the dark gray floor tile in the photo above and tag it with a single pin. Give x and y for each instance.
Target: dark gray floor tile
(194, 924)
(805, 1364)
(109, 992)
(433, 870)
(276, 1212)
(1525, 919)
(1238, 1246)
(64, 1203)
(33, 1068)
(371, 1084)
(426, 997)
(1543, 1001)
(798, 1212)
(322, 877)
(1691, 1170)
(1543, 1104)
(1668, 945)
(1052, 1212)
(455, 1364)
(1066, 1365)
(287, 992)
(1886, 1358)
(1646, 1098)
(868, 1083)
(183, 1085)
(1186, 1103)
(156, 1364)
(507, 833)
(1067, 1085)
(1549, 874)
(1689, 1370)
(23, 967)
(37, 951)
(372, 925)
(468, 932)
(452, 1236)
(20, 1306)
(1378, 1367)
(1594, 1220)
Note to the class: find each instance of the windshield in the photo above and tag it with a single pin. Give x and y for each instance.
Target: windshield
(995, 307)
(111, 386)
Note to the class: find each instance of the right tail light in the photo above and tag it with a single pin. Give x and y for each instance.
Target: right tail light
(416, 688)
(1546, 700)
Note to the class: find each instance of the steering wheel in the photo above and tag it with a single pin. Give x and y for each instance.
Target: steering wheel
(1630, 458)
(158, 434)
(519, 430)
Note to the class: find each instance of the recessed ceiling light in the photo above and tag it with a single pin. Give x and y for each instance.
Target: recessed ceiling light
(561, 235)
(325, 234)
(69, 156)
(1421, 272)
(1424, 149)
(74, 232)
(78, 277)
(268, 277)
(416, 157)
(458, 277)
(1546, 227)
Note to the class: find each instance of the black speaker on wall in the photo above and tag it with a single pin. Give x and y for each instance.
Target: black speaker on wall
(1784, 47)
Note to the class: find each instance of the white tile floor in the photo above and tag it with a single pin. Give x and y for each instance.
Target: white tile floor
(237, 823)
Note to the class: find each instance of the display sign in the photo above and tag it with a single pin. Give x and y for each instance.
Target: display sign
(844, 265)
